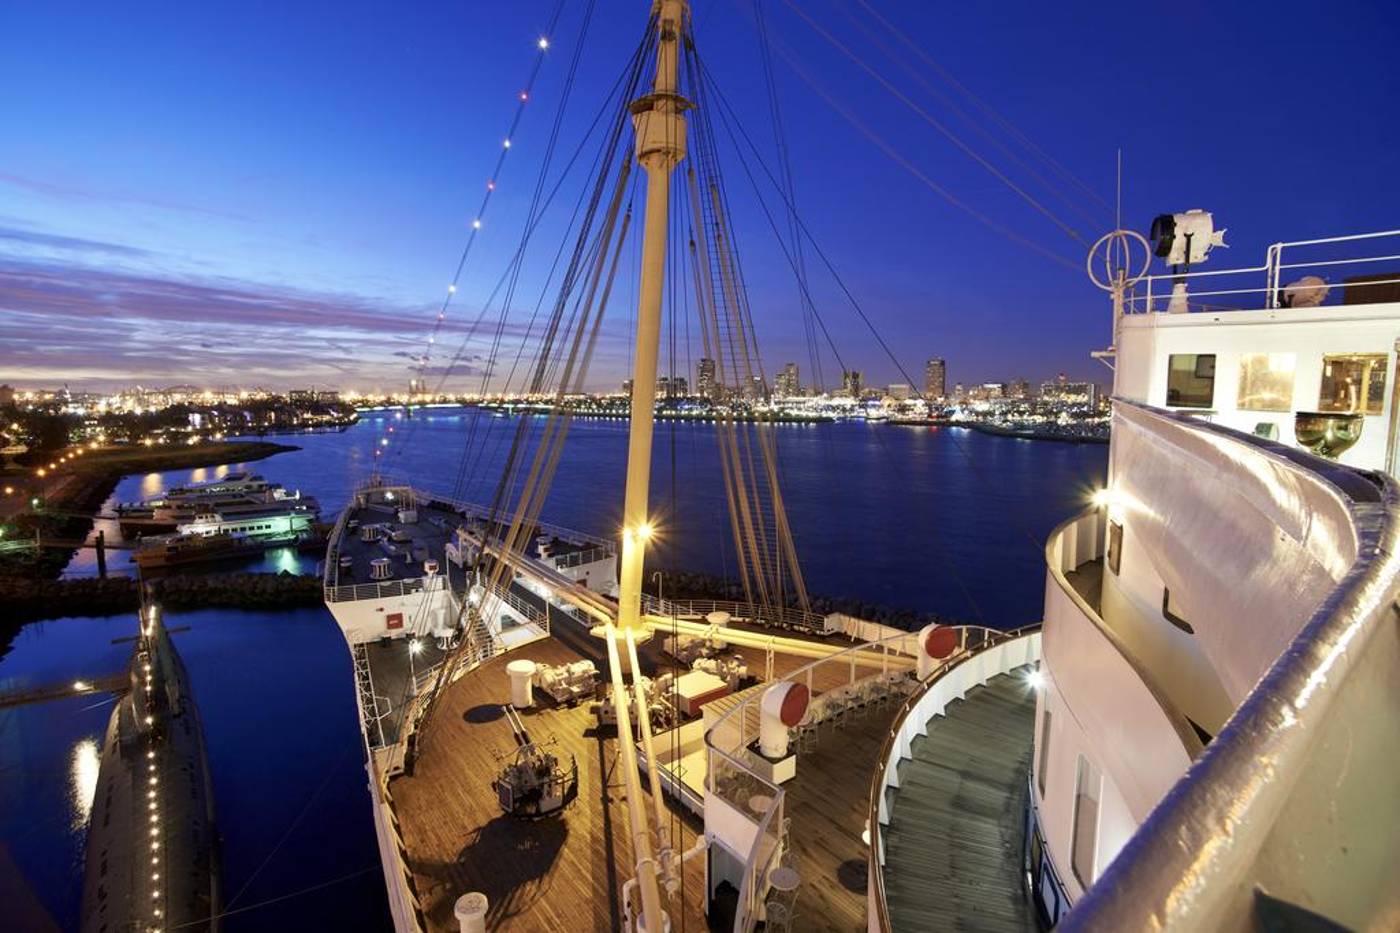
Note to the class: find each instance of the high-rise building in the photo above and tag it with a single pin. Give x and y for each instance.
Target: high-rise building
(672, 387)
(1020, 388)
(1070, 393)
(787, 383)
(935, 379)
(705, 378)
(899, 391)
(757, 389)
(851, 383)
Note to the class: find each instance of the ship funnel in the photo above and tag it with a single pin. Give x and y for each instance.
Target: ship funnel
(782, 707)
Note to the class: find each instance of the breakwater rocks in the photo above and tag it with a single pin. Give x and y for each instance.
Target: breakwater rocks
(28, 600)
(686, 584)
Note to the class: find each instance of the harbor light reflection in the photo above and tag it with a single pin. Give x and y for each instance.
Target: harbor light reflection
(83, 781)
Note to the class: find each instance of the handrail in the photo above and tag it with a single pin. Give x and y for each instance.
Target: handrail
(752, 868)
(1271, 269)
(1181, 725)
(875, 867)
(787, 615)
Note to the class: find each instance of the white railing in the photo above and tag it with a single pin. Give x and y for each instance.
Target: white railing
(980, 655)
(1224, 289)
(385, 588)
(780, 616)
(579, 558)
(865, 673)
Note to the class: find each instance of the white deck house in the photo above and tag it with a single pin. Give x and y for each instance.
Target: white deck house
(1217, 729)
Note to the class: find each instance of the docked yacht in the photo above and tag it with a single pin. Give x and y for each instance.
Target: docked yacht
(235, 496)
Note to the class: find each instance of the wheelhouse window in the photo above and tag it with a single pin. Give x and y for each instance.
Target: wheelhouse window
(1191, 380)
(1266, 381)
(1086, 821)
(1353, 382)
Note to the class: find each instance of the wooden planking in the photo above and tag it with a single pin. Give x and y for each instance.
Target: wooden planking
(553, 874)
(827, 803)
(953, 845)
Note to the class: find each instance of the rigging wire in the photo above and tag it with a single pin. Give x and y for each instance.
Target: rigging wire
(899, 159)
(892, 54)
(981, 104)
(935, 123)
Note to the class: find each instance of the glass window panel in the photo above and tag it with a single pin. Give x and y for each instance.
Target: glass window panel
(1266, 381)
(1086, 822)
(1191, 380)
(1353, 382)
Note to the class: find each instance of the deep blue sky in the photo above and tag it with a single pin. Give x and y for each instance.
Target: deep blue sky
(265, 193)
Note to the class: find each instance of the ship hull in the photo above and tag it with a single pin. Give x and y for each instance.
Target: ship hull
(152, 862)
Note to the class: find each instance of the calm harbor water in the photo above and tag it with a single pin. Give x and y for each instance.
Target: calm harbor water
(936, 520)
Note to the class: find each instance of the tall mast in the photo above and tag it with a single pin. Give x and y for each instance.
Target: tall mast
(659, 121)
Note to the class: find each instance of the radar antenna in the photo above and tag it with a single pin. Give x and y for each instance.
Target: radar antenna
(1113, 253)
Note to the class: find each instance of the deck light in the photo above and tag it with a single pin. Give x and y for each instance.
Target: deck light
(1103, 498)
(644, 531)
(415, 647)
(1035, 679)
(81, 685)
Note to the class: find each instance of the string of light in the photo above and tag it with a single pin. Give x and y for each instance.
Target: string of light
(523, 98)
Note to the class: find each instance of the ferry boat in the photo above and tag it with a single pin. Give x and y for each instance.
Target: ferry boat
(151, 859)
(237, 494)
(1195, 737)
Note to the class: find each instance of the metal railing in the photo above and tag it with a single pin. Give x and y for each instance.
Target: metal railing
(972, 641)
(579, 558)
(781, 616)
(733, 779)
(1228, 286)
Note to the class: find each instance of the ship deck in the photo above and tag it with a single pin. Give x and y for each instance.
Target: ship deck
(426, 538)
(567, 872)
(953, 844)
(564, 872)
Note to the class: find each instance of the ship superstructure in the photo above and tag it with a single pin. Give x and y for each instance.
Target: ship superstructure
(1210, 715)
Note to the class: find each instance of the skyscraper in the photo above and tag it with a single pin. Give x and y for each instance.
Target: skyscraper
(851, 383)
(705, 378)
(936, 378)
(787, 384)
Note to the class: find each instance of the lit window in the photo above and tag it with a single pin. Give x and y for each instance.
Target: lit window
(1044, 753)
(1115, 546)
(1191, 380)
(1266, 381)
(1353, 382)
(1086, 821)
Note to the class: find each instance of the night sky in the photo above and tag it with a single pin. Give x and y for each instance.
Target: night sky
(276, 194)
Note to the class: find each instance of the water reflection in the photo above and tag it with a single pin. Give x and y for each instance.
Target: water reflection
(150, 485)
(285, 559)
(199, 474)
(83, 781)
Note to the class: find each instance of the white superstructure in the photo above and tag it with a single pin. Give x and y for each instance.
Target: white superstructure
(1198, 736)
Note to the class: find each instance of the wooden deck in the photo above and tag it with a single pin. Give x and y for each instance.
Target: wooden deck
(567, 872)
(561, 873)
(827, 803)
(953, 845)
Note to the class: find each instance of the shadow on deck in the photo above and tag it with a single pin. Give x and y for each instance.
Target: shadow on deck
(953, 844)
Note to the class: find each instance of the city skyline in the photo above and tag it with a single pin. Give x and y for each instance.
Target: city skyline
(298, 222)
